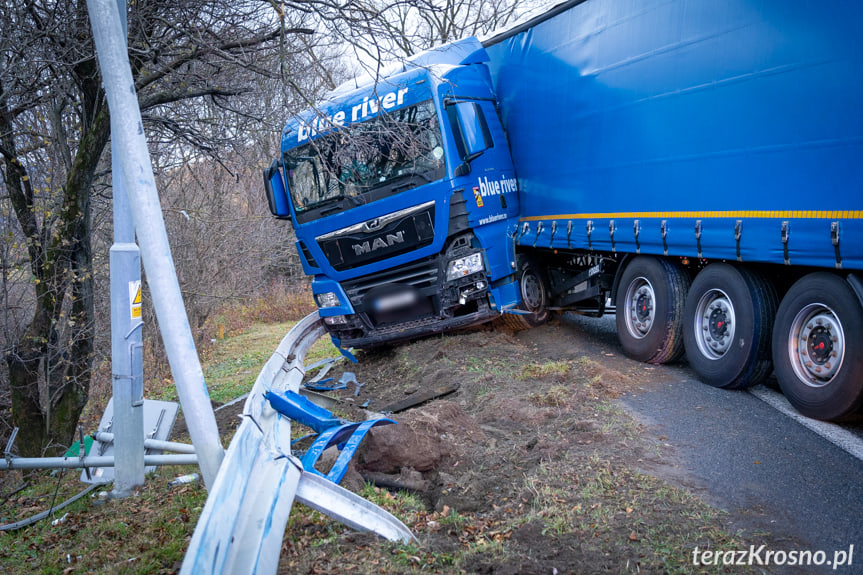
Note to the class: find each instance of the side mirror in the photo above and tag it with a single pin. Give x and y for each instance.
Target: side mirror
(474, 130)
(472, 133)
(274, 188)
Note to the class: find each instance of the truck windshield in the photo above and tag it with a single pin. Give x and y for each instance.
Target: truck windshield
(394, 152)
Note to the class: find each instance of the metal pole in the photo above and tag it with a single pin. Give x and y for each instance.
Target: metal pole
(91, 461)
(131, 147)
(172, 446)
(127, 367)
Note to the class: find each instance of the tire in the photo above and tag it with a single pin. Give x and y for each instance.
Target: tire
(824, 379)
(727, 326)
(649, 304)
(533, 288)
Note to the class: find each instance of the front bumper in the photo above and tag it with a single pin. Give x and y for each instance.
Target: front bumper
(415, 329)
(437, 305)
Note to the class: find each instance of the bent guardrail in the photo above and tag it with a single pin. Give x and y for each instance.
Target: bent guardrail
(243, 522)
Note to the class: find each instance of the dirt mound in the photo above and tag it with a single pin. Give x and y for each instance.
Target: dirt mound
(422, 441)
(526, 468)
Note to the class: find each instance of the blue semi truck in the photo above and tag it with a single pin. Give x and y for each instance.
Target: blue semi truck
(694, 167)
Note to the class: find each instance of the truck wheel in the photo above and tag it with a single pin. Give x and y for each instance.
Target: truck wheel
(818, 347)
(727, 326)
(649, 307)
(533, 288)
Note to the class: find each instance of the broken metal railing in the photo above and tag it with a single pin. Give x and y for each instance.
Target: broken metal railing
(83, 461)
(172, 446)
(92, 461)
(243, 522)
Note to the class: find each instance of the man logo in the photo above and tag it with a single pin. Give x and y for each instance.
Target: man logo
(377, 243)
(372, 225)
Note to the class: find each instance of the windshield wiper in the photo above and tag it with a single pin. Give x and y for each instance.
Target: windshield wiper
(356, 200)
(406, 186)
(325, 202)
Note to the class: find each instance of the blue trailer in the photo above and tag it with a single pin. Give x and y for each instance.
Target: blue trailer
(693, 166)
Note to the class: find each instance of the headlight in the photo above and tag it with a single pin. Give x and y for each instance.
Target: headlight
(328, 299)
(464, 266)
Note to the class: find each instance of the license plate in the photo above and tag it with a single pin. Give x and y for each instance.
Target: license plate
(395, 301)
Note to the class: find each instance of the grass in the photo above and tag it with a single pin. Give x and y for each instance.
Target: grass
(233, 364)
(149, 531)
(553, 369)
(556, 396)
(632, 521)
(143, 534)
(594, 504)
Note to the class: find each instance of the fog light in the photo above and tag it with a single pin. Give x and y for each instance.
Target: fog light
(335, 320)
(464, 266)
(328, 299)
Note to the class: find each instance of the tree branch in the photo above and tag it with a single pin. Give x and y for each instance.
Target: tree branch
(195, 53)
(161, 98)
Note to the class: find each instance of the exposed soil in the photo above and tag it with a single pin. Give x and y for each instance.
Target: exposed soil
(528, 467)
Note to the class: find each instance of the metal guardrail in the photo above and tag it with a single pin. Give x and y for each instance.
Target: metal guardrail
(254, 485)
(243, 522)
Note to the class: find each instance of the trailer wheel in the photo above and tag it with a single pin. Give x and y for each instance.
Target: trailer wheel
(727, 326)
(534, 296)
(649, 312)
(818, 347)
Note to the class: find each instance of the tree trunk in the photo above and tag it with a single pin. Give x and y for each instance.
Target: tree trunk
(50, 368)
(27, 413)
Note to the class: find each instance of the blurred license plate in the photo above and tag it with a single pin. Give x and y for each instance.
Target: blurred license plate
(393, 301)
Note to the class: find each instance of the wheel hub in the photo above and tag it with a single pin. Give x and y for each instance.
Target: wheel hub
(531, 291)
(715, 324)
(641, 307)
(644, 305)
(818, 344)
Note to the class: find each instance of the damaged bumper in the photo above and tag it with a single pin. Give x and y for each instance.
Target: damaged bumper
(421, 299)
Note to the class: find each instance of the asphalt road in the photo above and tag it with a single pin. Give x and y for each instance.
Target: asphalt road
(774, 476)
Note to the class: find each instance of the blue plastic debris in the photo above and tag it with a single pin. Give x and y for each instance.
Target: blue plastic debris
(348, 377)
(351, 434)
(302, 410)
(322, 385)
(330, 429)
(338, 343)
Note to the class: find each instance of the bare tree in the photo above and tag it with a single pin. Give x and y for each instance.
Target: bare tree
(54, 127)
(407, 28)
(224, 241)
(215, 79)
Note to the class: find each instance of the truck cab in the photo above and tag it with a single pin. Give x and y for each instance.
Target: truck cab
(403, 200)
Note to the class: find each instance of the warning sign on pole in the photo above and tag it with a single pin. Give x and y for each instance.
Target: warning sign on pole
(135, 299)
